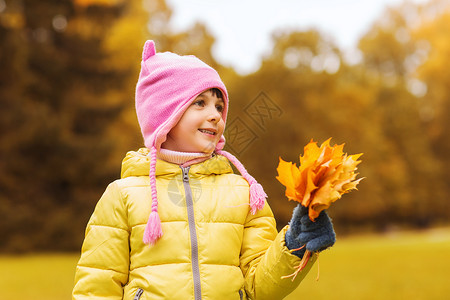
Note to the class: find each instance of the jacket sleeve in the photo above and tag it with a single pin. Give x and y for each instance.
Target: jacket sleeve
(265, 259)
(102, 270)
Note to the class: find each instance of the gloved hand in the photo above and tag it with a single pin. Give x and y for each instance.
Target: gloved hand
(317, 236)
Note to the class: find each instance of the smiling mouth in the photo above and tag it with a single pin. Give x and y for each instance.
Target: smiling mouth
(207, 131)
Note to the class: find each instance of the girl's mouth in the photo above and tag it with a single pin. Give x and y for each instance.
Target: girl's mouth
(207, 131)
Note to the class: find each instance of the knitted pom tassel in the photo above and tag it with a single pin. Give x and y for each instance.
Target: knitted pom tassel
(257, 197)
(153, 229)
(257, 194)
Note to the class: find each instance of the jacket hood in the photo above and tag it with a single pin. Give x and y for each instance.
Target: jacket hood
(137, 163)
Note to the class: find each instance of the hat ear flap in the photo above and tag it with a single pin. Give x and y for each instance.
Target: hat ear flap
(149, 49)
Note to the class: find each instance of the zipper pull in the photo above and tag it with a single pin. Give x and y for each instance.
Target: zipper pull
(185, 174)
(138, 294)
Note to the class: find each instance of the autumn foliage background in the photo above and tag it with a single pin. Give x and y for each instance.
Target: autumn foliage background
(68, 70)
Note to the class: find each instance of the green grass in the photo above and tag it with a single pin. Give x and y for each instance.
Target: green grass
(412, 265)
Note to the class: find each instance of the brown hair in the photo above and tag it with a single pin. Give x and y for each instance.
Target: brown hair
(217, 92)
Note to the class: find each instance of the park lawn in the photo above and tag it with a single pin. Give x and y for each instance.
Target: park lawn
(411, 265)
(408, 265)
(37, 277)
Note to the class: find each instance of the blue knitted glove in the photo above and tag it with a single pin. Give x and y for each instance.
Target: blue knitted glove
(317, 236)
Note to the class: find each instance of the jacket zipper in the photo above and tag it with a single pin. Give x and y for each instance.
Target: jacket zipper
(193, 234)
(138, 294)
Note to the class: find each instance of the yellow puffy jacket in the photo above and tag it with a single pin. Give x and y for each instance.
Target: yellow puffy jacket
(212, 246)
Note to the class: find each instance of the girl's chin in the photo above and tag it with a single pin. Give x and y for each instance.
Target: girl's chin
(209, 148)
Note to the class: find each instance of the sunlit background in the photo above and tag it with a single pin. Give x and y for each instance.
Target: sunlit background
(243, 29)
(371, 74)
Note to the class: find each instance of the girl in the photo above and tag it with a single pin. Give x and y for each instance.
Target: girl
(179, 224)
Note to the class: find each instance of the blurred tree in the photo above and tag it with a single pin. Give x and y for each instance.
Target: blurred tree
(392, 53)
(373, 106)
(67, 77)
(67, 80)
(59, 94)
(432, 82)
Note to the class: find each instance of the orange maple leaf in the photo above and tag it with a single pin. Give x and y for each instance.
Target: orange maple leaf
(324, 175)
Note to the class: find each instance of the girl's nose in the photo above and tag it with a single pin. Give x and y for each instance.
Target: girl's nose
(214, 115)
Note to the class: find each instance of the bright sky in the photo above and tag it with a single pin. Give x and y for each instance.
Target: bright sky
(243, 28)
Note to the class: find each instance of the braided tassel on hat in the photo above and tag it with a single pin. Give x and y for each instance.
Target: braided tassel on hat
(153, 230)
(257, 194)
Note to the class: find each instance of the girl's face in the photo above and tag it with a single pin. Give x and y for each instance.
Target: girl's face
(200, 127)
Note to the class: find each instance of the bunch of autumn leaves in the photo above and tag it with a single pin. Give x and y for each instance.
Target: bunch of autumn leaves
(324, 175)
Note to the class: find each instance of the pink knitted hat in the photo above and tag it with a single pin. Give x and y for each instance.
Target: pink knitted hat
(167, 85)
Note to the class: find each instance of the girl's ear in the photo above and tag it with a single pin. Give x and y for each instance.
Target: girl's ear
(149, 49)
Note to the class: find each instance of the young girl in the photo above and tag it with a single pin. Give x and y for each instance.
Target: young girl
(179, 224)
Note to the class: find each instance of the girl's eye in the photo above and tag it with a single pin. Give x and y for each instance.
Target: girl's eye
(199, 103)
(202, 103)
(219, 108)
